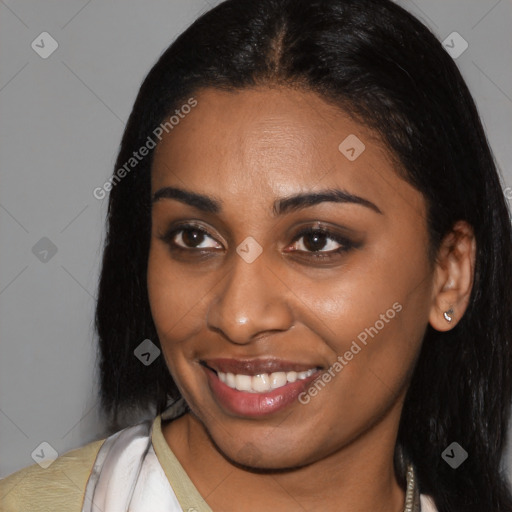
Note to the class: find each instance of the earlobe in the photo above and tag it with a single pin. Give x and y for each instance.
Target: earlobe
(444, 319)
(448, 315)
(454, 275)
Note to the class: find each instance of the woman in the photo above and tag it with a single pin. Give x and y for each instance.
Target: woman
(306, 275)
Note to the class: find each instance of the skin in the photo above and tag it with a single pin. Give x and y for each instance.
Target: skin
(247, 149)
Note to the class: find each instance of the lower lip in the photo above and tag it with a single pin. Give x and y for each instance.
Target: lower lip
(256, 405)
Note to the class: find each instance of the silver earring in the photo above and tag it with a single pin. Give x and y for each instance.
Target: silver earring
(448, 315)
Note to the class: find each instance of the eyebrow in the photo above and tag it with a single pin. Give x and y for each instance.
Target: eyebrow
(280, 207)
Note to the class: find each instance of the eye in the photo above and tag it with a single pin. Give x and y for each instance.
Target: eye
(320, 243)
(190, 237)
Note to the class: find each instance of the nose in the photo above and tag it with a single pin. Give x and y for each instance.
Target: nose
(252, 301)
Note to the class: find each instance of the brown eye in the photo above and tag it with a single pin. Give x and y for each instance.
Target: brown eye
(315, 241)
(319, 240)
(190, 237)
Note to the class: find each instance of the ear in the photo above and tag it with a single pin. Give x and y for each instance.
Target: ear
(454, 276)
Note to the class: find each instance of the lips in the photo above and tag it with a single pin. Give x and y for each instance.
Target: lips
(247, 402)
(256, 366)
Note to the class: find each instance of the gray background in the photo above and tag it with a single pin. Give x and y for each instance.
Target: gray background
(61, 122)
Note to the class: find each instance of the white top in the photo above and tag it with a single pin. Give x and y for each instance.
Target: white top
(427, 503)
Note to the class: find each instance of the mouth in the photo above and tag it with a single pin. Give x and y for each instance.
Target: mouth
(257, 387)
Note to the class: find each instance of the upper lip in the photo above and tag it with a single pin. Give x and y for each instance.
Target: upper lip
(256, 366)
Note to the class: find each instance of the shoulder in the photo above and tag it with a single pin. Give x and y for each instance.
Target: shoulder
(60, 486)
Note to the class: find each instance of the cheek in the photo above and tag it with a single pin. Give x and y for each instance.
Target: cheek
(174, 307)
(178, 302)
(373, 334)
(374, 315)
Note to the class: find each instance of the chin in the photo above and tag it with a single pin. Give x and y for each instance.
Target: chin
(253, 456)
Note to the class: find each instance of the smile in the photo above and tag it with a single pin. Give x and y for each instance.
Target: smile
(264, 381)
(258, 387)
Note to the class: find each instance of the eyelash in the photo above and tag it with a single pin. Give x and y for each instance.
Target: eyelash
(345, 244)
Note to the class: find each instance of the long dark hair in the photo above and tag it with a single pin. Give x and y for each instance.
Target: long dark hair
(381, 65)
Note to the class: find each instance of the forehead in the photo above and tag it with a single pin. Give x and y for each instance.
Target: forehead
(274, 142)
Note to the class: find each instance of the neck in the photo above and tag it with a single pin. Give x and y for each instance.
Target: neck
(358, 477)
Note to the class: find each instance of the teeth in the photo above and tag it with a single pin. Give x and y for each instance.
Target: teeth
(291, 376)
(243, 382)
(264, 381)
(305, 375)
(278, 379)
(261, 382)
(230, 380)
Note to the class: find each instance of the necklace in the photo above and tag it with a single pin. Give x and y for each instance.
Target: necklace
(412, 496)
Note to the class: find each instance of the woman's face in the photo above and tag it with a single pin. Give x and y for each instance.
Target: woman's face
(270, 282)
